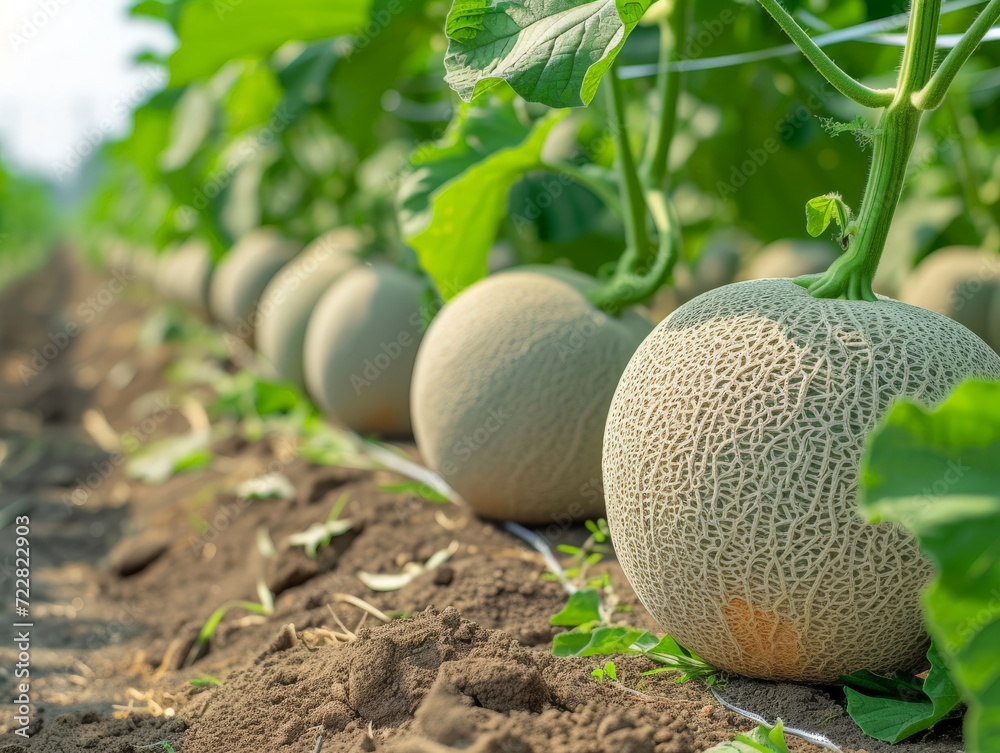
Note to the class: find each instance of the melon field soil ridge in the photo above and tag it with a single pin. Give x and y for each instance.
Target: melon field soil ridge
(125, 582)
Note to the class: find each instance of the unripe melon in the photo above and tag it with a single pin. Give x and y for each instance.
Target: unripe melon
(185, 275)
(291, 296)
(731, 463)
(360, 344)
(959, 282)
(790, 257)
(240, 278)
(511, 390)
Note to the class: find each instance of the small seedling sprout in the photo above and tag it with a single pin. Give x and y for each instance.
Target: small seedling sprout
(264, 608)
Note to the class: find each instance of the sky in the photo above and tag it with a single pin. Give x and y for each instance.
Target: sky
(67, 79)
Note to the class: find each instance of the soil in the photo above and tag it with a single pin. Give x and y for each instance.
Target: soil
(124, 575)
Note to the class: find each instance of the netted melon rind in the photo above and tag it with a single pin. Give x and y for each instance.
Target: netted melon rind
(730, 465)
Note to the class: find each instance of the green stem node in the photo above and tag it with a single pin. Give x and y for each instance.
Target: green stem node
(851, 275)
(632, 282)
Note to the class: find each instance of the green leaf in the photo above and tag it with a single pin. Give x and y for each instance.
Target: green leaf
(159, 461)
(205, 680)
(823, 210)
(253, 98)
(452, 204)
(549, 51)
(272, 398)
(604, 642)
(416, 489)
(212, 623)
(583, 606)
(213, 32)
(938, 474)
(474, 134)
(893, 709)
(610, 671)
(764, 739)
(151, 9)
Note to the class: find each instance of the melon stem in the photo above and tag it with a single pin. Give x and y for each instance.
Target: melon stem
(633, 201)
(852, 274)
(673, 35)
(919, 88)
(643, 269)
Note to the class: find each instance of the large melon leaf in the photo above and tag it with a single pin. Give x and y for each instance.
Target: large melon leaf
(451, 205)
(213, 32)
(938, 474)
(895, 708)
(549, 51)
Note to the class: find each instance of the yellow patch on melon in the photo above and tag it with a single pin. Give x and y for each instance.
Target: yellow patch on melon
(769, 644)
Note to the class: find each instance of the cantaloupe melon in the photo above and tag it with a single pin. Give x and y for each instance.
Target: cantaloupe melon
(290, 297)
(790, 257)
(511, 390)
(731, 463)
(242, 275)
(185, 274)
(959, 282)
(360, 344)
